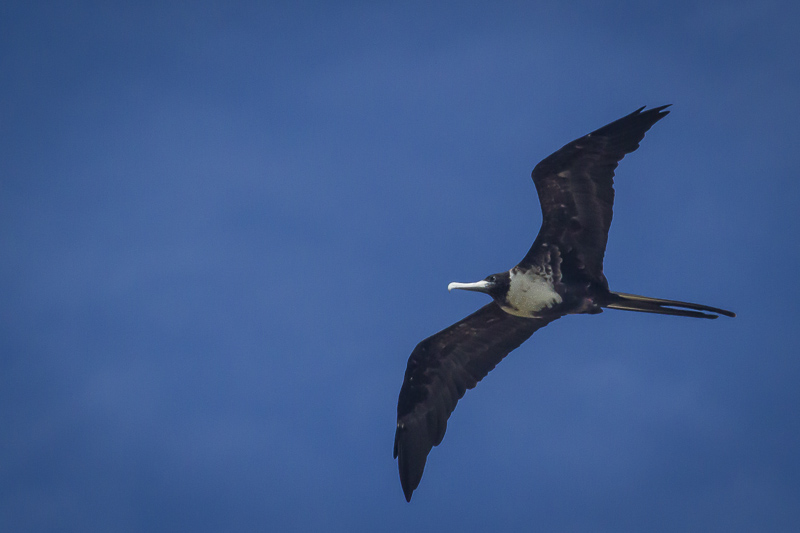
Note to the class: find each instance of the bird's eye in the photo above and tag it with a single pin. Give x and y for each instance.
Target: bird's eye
(492, 279)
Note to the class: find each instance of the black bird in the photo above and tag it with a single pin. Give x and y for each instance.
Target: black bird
(561, 274)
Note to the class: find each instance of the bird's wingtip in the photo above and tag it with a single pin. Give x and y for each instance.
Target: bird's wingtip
(659, 110)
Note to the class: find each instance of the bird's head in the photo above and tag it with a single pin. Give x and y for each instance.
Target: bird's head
(495, 286)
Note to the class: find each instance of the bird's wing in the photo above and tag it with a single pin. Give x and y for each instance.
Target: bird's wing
(576, 190)
(440, 369)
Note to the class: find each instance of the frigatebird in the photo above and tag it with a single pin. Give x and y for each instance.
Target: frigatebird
(561, 274)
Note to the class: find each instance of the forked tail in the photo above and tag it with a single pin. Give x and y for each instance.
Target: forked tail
(645, 304)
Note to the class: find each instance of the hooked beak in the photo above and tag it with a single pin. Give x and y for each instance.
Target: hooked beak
(478, 286)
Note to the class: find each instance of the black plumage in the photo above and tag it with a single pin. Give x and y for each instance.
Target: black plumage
(561, 274)
(440, 370)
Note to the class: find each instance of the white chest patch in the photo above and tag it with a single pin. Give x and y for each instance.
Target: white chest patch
(530, 293)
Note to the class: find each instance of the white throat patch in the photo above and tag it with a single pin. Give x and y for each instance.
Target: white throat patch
(531, 292)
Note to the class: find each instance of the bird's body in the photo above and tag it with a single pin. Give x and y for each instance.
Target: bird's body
(561, 274)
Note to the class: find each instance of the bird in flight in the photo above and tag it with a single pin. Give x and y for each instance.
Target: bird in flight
(561, 274)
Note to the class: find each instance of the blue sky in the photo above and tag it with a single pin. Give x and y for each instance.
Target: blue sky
(225, 226)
